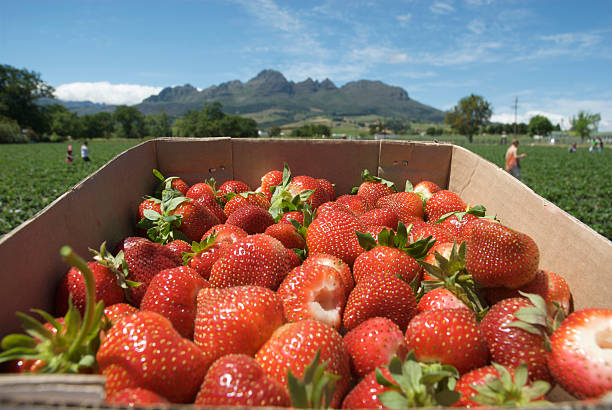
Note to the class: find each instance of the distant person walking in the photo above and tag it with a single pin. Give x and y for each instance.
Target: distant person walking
(599, 144)
(573, 147)
(85, 152)
(513, 165)
(69, 156)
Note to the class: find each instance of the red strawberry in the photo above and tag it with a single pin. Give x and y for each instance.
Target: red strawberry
(294, 345)
(375, 230)
(581, 351)
(179, 185)
(118, 310)
(226, 234)
(73, 284)
(373, 343)
(302, 183)
(442, 248)
(354, 203)
(210, 202)
(388, 260)
(238, 380)
(426, 229)
(382, 295)
(146, 259)
(236, 320)
(328, 187)
(334, 233)
(178, 246)
(246, 198)
(195, 220)
(269, 180)
(335, 207)
(295, 215)
(334, 262)
(407, 205)
(440, 298)
(498, 386)
(232, 187)
(448, 336)
(143, 350)
(365, 395)
(459, 228)
(313, 292)
(499, 256)
(287, 234)
(425, 189)
(135, 397)
(373, 188)
(380, 216)
(255, 260)
(442, 203)
(510, 345)
(199, 189)
(252, 219)
(153, 204)
(172, 293)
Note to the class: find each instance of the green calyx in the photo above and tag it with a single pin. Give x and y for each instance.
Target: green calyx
(71, 347)
(399, 240)
(367, 177)
(163, 228)
(199, 247)
(509, 392)
(451, 274)
(416, 384)
(316, 389)
(118, 266)
(284, 201)
(478, 211)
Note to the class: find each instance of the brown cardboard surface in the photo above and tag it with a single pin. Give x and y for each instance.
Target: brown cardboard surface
(567, 246)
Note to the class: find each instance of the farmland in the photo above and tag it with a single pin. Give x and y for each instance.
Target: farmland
(34, 175)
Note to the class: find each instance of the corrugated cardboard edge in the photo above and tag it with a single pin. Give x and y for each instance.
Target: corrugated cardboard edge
(563, 240)
(85, 390)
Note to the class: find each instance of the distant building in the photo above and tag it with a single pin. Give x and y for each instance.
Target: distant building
(262, 133)
(385, 137)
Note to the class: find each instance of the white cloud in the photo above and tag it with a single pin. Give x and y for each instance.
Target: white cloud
(376, 54)
(404, 18)
(105, 92)
(476, 26)
(441, 8)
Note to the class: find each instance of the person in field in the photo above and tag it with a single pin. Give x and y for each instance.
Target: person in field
(85, 152)
(69, 156)
(513, 165)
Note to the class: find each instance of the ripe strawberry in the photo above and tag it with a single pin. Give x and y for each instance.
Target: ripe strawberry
(210, 202)
(226, 234)
(382, 295)
(178, 246)
(372, 188)
(373, 343)
(115, 312)
(335, 207)
(334, 262)
(581, 351)
(270, 180)
(195, 220)
(328, 187)
(442, 203)
(510, 345)
(172, 293)
(294, 345)
(179, 185)
(313, 292)
(255, 260)
(444, 249)
(232, 187)
(143, 350)
(295, 215)
(236, 320)
(135, 397)
(334, 233)
(439, 298)
(354, 203)
(498, 386)
(365, 395)
(153, 204)
(302, 183)
(375, 230)
(238, 380)
(388, 260)
(425, 189)
(499, 256)
(448, 336)
(424, 230)
(246, 198)
(287, 234)
(145, 259)
(199, 189)
(380, 216)
(458, 227)
(252, 219)
(407, 205)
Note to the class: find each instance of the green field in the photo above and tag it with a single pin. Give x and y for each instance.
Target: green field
(33, 175)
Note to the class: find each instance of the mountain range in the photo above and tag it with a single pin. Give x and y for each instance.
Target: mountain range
(272, 100)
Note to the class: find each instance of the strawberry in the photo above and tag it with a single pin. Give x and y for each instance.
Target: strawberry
(236, 320)
(354, 203)
(442, 203)
(332, 261)
(380, 216)
(255, 260)
(425, 189)
(372, 188)
(373, 343)
(170, 183)
(365, 395)
(448, 336)
(143, 350)
(178, 247)
(499, 256)
(407, 205)
(246, 198)
(304, 183)
(510, 344)
(153, 204)
(199, 189)
(439, 298)
(580, 353)
(383, 295)
(295, 215)
(335, 207)
(498, 386)
(270, 180)
(226, 234)
(293, 346)
(172, 293)
(145, 259)
(388, 260)
(334, 233)
(195, 220)
(328, 187)
(252, 219)
(238, 380)
(425, 230)
(204, 254)
(135, 397)
(232, 187)
(457, 226)
(287, 234)
(115, 312)
(313, 292)
(210, 202)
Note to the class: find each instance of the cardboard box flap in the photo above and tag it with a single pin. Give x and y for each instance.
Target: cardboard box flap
(87, 390)
(567, 246)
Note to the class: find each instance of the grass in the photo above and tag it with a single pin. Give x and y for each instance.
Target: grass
(34, 175)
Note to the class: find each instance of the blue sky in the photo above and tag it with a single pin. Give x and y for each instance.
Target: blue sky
(554, 56)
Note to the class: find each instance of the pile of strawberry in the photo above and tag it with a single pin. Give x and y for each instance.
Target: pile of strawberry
(287, 295)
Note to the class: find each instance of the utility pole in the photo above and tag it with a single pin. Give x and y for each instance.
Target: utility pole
(515, 117)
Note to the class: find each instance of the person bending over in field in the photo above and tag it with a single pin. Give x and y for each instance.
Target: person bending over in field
(513, 165)
(85, 152)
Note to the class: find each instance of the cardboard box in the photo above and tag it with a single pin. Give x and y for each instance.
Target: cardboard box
(104, 206)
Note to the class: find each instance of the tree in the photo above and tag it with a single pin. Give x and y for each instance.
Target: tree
(585, 123)
(98, 125)
(130, 122)
(211, 121)
(19, 90)
(159, 126)
(63, 122)
(312, 131)
(469, 115)
(274, 131)
(540, 125)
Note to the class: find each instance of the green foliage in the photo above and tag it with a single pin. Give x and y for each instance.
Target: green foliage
(98, 125)
(159, 126)
(211, 121)
(274, 131)
(129, 122)
(10, 132)
(469, 115)
(311, 131)
(540, 125)
(585, 123)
